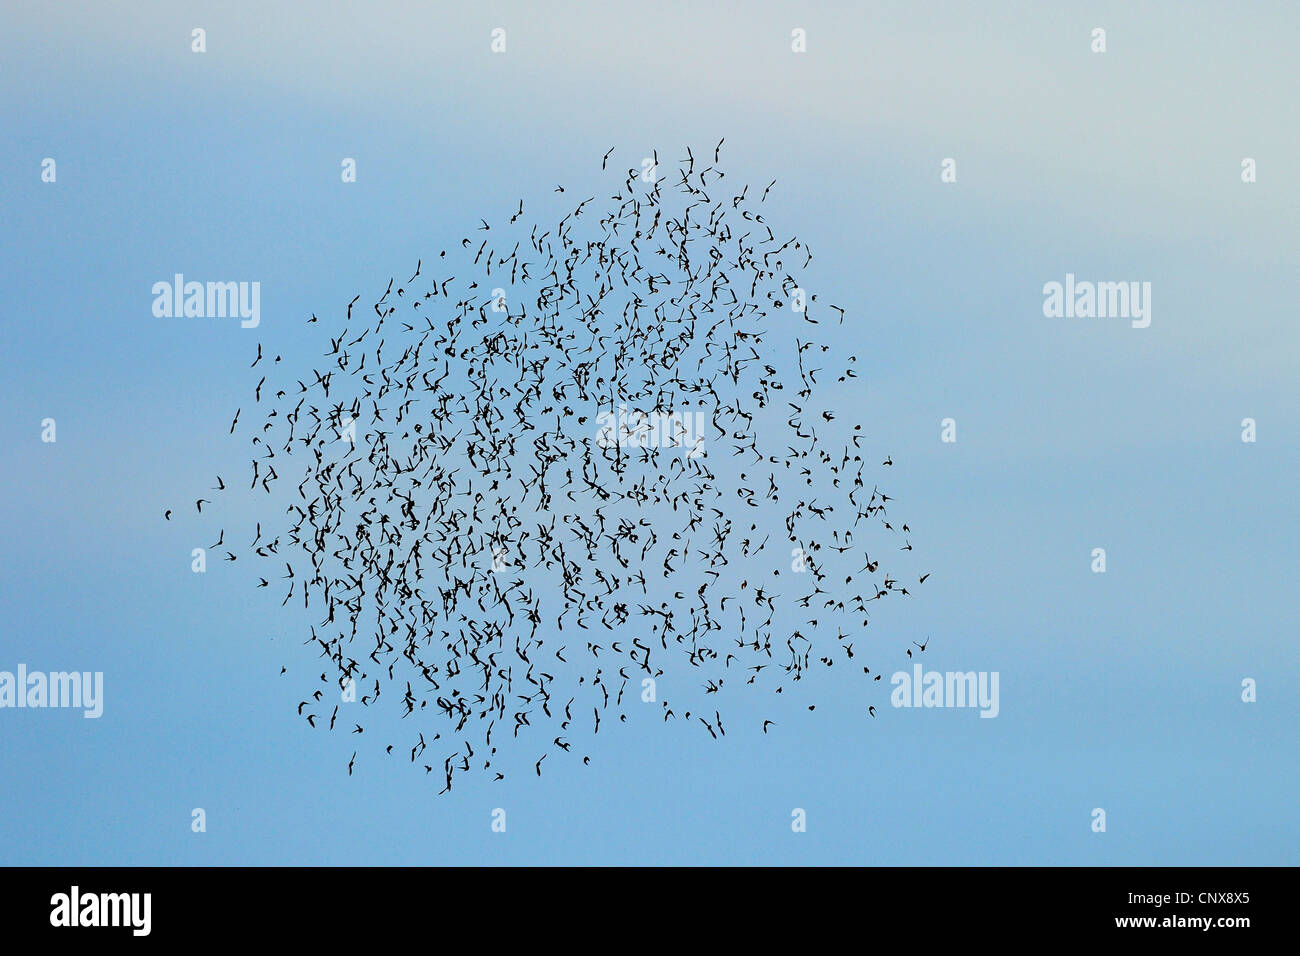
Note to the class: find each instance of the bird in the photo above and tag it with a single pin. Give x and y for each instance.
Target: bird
(582, 424)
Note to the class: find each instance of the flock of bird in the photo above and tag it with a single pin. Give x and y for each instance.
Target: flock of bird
(495, 531)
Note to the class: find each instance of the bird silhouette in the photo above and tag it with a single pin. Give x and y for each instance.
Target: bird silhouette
(565, 461)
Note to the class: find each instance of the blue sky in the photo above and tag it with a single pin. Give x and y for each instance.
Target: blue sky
(1120, 691)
